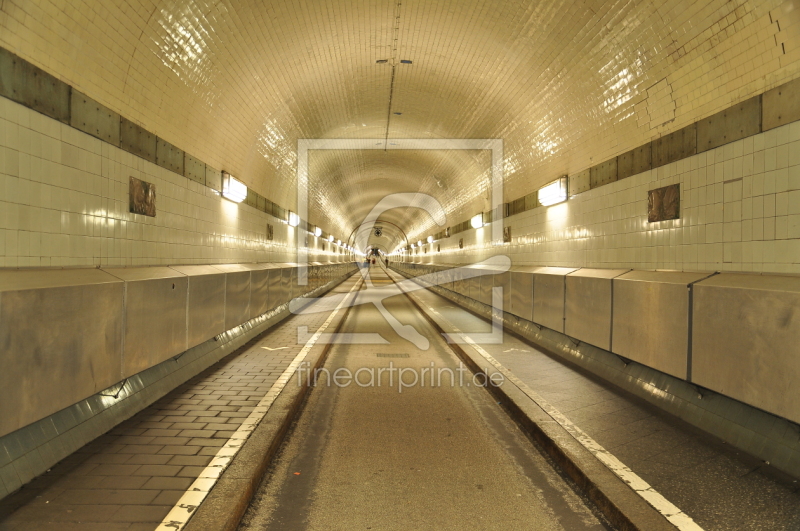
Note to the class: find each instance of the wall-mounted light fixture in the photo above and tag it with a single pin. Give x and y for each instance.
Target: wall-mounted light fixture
(330, 238)
(477, 221)
(338, 242)
(293, 219)
(430, 239)
(553, 193)
(232, 188)
(317, 232)
(413, 245)
(419, 243)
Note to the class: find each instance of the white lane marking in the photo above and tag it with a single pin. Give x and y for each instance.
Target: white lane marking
(516, 350)
(180, 514)
(276, 348)
(671, 512)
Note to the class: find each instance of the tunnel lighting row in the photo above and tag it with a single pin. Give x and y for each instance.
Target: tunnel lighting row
(549, 194)
(232, 188)
(477, 221)
(553, 193)
(235, 190)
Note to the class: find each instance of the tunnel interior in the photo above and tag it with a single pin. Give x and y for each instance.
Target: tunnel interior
(606, 192)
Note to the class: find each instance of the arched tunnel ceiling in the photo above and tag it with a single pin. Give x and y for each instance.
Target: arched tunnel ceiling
(564, 84)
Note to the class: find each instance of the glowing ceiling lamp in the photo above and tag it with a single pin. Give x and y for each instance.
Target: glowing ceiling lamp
(330, 238)
(553, 193)
(430, 239)
(317, 232)
(232, 188)
(294, 219)
(477, 221)
(338, 242)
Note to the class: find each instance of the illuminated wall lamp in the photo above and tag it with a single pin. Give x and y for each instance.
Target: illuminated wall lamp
(338, 242)
(232, 188)
(430, 239)
(553, 193)
(294, 219)
(330, 238)
(477, 221)
(317, 232)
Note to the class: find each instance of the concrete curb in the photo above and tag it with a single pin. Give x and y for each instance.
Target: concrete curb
(623, 508)
(225, 505)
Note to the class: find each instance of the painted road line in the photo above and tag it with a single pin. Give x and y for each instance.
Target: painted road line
(672, 513)
(180, 514)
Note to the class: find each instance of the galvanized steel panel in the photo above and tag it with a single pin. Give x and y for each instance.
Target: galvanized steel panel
(286, 283)
(603, 173)
(213, 178)
(635, 161)
(295, 289)
(311, 277)
(531, 201)
(19, 280)
(169, 157)
(548, 296)
(450, 277)
(93, 118)
(194, 169)
(587, 311)
(61, 338)
(445, 278)
(781, 105)
(251, 199)
(651, 318)
(522, 292)
(473, 288)
(276, 296)
(734, 123)
(503, 280)
(674, 146)
(746, 333)
(463, 286)
(580, 182)
(137, 140)
(31, 86)
(259, 290)
(206, 302)
(155, 316)
(237, 294)
(486, 284)
(517, 206)
(459, 284)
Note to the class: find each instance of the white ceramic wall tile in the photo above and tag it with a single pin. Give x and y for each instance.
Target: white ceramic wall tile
(740, 211)
(64, 202)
